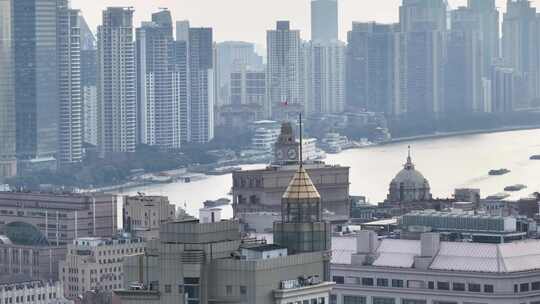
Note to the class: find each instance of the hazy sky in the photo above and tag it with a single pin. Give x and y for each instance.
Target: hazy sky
(249, 19)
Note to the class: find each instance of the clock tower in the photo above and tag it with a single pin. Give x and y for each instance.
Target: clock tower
(286, 149)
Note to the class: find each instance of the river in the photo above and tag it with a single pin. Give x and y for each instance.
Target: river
(447, 163)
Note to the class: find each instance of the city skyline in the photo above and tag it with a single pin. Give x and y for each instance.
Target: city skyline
(226, 29)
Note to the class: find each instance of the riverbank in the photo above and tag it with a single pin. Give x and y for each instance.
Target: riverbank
(459, 133)
(137, 184)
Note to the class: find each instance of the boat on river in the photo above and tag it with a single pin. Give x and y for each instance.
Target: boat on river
(495, 172)
(515, 188)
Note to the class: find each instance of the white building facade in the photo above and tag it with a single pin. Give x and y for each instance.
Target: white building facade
(284, 74)
(328, 78)
(117, 101)
(433, 272)
(96, 264)
(70, 139)
(19, 289)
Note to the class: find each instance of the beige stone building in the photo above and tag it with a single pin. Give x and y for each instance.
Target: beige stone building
(144, 214)
(199, 262)
(21, 288)
(61, 218)
(35, 228)
(260, 191)
(96, 264)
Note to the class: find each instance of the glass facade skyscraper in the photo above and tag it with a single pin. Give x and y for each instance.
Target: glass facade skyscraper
(324, 20)
(7, 99)
(36, 77)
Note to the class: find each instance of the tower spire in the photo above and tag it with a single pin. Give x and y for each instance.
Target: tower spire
(409, 164)
(301, 156)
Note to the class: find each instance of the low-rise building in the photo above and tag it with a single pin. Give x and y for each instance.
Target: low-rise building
(61, 217)
(428, 271)
(21, 288)
(29, 255)
(96, 264)
(459, 225)
(35, 228)
(143, 214)
(256, 191)
(207, 261)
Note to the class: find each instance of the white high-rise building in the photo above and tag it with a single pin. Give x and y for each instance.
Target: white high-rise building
(70, 138)
(327, 77)
(90, 115)
(232, 56)
(182, 30)
(324, 20)
(117, 102)
(284, 74)
(158, 105)
(520, 44)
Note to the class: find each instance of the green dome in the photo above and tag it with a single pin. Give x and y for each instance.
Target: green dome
(24, 234)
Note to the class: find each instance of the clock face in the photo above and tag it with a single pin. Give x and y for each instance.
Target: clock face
(292, 154)
(279, 154)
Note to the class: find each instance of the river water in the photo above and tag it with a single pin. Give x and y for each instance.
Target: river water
(448, 163)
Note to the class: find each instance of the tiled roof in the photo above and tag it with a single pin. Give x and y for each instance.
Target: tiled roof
(398, 253)
(452, 256)
(301, 187)
(474, 257)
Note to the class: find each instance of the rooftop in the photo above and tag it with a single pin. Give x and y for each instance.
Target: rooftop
(453, 214)
(9, 279)
(265, 248)
(452, 256)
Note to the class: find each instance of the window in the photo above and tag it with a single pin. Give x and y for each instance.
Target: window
(382, 282)
(333, 299)
(367, 281)
(458, 286)
(443, 285)
(397, 283)
(417, 284)
(338, 279)
(473, 287)
(352, 280)
(322, 301)
(192, 290)
(377, 300)
(168, 289)
(516, 288)
(243, 290)
(535, 286)
(488, 288)
(431, 285)
(410, 301)
(228, 289)
(354, 300)
(524, 287)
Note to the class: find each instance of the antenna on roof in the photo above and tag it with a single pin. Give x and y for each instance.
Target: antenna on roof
(301, 142)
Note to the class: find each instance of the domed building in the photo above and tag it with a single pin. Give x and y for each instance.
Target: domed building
(409, 185)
